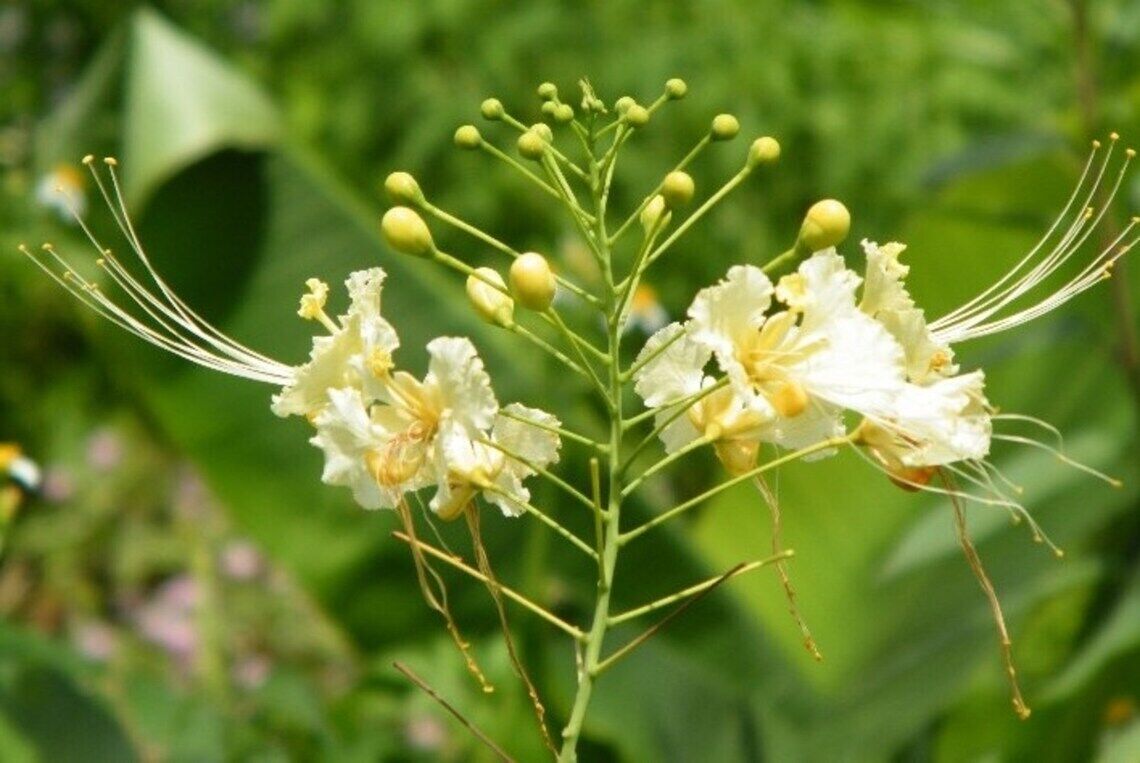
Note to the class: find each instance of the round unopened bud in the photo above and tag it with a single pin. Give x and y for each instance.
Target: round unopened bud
(637, 115)
(622, 104)
(678, 189)
(531, 145)
(406, 232)
(724, 127)
(676, 88)
(655, 215)
(825, 224)
(468, 137)
(490, 303)
(763, 151)
(402, 188)
(491, 109)
(544, 131)
(532, 281)
(549, 107)
(564, 113)
(547, 90)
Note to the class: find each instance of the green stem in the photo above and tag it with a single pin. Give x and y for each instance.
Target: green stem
(611, 517)
(689, 157)
(681, 452)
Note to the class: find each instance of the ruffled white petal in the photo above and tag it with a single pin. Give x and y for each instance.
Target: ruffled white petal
(457, 372)
(676, 372)
(721, 316)
(346, 434)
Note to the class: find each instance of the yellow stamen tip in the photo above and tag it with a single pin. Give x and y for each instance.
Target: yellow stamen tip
(89, 159)
(1059, 553)
(101, 262)
(110, 161)
(1096, 144)
(1130, 153)
(1114, 136)
(46, 247)
(1116, 483)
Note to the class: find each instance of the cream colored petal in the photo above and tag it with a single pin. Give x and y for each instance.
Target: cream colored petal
(676, 372)
(722, 315)
(456, 370)
(538, 446)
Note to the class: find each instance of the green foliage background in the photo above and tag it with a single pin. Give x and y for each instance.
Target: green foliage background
(253, 138)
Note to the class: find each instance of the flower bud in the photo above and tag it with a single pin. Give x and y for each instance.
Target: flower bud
(531, 145)
(491, 109)
(675, 89)
(406, 232)
(622, 104)
(491, 304)
(825, 224)
(677, 189)
(655, 214)
(547, 91)
(724, 127)
(468, 137)
(763, 151)
(532, 281)
(543, 131)
(403, 189)
(549, 107)
(564, 113)
(637, 116)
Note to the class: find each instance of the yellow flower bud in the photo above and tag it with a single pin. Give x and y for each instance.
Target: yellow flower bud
(763, 151)
(406, 232)
(468, 137)
(825, 224)
(677, 189)
(543, 131)
(564, 113)
(549, 107)
(491, 109)
(492, 304)
(532, 281)
(531, 145)
(402, 188)
(622, 104)
(655, 214)
(724, 127)
(676, 88)
(637, 116)
(547, 91)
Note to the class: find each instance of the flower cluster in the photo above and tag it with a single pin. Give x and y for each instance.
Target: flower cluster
(385, 433)
(793, 357)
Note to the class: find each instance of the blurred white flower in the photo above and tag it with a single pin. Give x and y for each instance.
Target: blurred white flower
(63, 191)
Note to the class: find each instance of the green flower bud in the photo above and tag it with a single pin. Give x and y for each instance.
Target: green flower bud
(655, 215)
(402, 188)
(677, 189)
(491, 109)
(724, 127)
(763, 151)
(544, 131)
(547, 91)
(637, 115)
(531, 145)
(825, 224)
(532, 281)
(490, 303)
(549, 108)
(676, 88)
(468, 137)
(406, 232)
(564, 113)
(622, 105)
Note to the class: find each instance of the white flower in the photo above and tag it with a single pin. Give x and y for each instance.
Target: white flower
(399, 441)
(798, 368)
(63, 191)
(790, 374)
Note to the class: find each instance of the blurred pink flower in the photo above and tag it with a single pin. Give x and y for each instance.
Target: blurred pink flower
(242, 561)
(104, 449)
